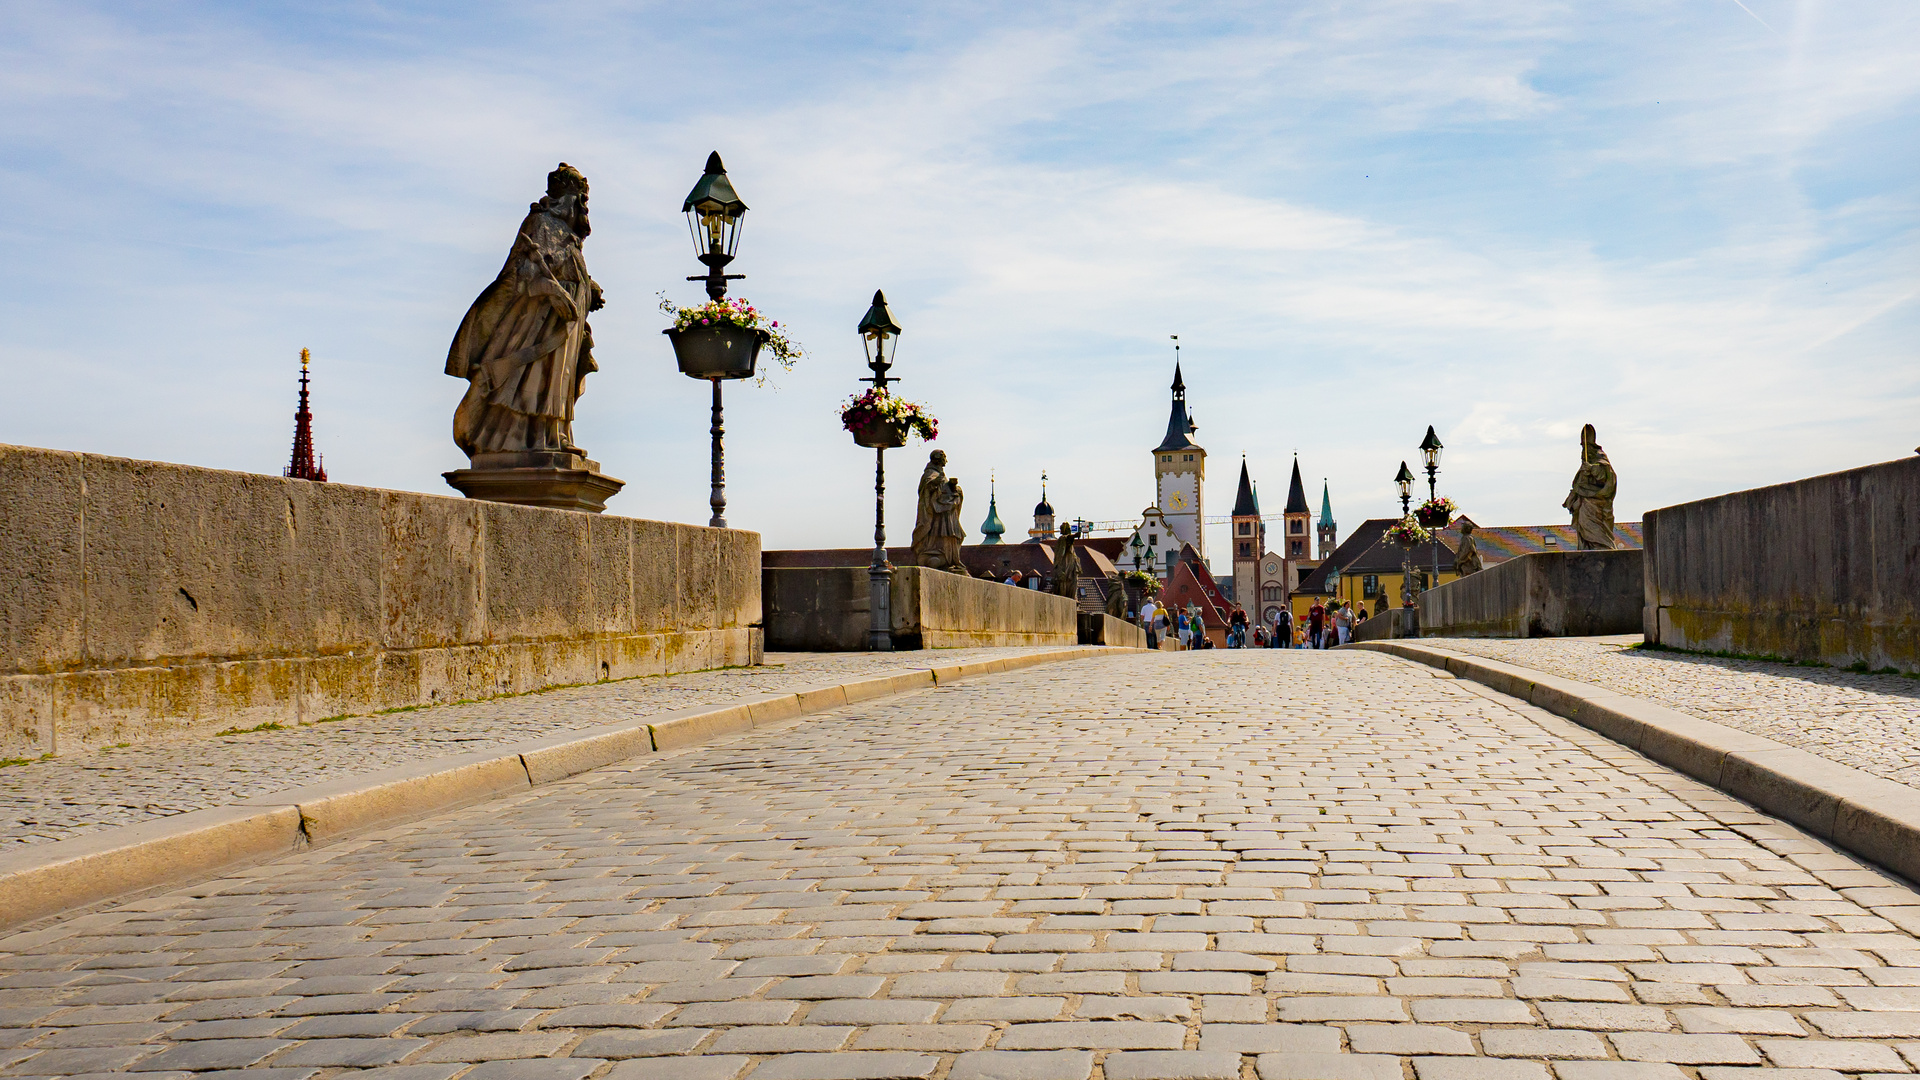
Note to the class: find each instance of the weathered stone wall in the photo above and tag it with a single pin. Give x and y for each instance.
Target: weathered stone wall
(1100, 628)
(1543, 594)
(139, 599)
(827, 608)
(1826, 569)
(1391, 623)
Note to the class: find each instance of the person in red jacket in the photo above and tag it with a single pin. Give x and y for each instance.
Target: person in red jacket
(1316, 624)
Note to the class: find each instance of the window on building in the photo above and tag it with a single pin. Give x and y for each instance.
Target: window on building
(1271, 592)
(1153, 540)
(1246, 528)
(1369, 584)
(1295, 548)
(1166, 457)
(1294, 526)
(1189, 457)
(1246, 551)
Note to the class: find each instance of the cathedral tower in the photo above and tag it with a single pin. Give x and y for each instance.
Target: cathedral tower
(1249, 543)
(1180, 473)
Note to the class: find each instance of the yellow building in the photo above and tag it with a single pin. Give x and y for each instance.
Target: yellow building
(1366, 571)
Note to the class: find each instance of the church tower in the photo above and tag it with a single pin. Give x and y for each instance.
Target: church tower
(1329, 532)
(1042, 515)
(1297, 546)
(1180, 473)
(1249, 543)
(303, 467)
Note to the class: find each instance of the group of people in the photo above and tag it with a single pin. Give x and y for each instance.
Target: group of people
(1324, 627)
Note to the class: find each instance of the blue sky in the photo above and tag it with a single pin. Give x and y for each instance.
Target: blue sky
(1692, 223)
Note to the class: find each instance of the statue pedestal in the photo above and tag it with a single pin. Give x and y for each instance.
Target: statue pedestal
(558, 479)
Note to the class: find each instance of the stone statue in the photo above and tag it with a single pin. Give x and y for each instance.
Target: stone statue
(1066, 566)
(937, 531)
(1591, 499)
(1117, 596)
(524, 347)
(1466, 555)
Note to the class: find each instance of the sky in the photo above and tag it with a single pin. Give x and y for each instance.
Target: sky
(1694, 224)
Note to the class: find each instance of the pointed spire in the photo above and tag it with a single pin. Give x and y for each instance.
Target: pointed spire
(1326, 504)
(303, 467)
(1297, 492)
(1244, 502)
(1180, 425)
(993, 528)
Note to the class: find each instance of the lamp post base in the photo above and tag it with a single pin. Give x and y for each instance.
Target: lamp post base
(880, 607)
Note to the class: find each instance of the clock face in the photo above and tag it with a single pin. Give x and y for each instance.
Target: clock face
(1177, 500)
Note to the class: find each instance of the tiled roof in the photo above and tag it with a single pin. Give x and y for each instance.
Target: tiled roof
(1498, 543)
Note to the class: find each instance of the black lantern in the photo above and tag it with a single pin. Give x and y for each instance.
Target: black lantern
(1404, 480)
(879, 336)
(1430, 448)
(1136, 545)
(714, 213)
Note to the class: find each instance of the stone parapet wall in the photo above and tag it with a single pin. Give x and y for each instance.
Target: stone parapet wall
(827, 609)
(1822, 569)
(1543, 594)
(1100, 628)
(1389, 624)
(140, 599)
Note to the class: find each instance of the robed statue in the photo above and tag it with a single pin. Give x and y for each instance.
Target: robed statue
(1117, 596)
(937, 531)
(1466, 554)
(1066, 565)
(1591, 499)
(524, 347)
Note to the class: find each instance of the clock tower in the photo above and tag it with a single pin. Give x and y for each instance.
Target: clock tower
(1180, 473)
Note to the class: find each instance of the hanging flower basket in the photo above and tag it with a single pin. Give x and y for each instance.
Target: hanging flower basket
(878, 420)
(717, 352)
(1408, 533)
(880, 433)
(1436, 513)
(722, 339)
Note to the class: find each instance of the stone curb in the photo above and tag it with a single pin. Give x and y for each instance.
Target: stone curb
(47, 879)
(1873, 817)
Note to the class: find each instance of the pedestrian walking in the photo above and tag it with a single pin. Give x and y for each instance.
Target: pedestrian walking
(1148, 612)
(1316, 625)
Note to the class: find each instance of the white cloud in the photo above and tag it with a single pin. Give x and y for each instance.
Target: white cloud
(1360, 222)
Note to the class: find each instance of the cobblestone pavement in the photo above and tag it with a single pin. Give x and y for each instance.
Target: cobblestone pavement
(67, 796)
(1277, 865)
(1871, 722)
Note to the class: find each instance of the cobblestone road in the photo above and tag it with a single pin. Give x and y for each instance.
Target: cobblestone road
(1282, 865)
(67, 796)
(1871, 722)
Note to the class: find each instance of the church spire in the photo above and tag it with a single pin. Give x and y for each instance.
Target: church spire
(303, 466)
(1296, 491)
(1245, 502)
(993, 529)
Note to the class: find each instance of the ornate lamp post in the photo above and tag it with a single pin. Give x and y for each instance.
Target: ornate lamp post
(1404, 481)
(879, 336)
(1136, 551)
(1430, 448)
(714, 212)
(1333, 581)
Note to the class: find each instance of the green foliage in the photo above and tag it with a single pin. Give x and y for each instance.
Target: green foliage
(268, 726)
